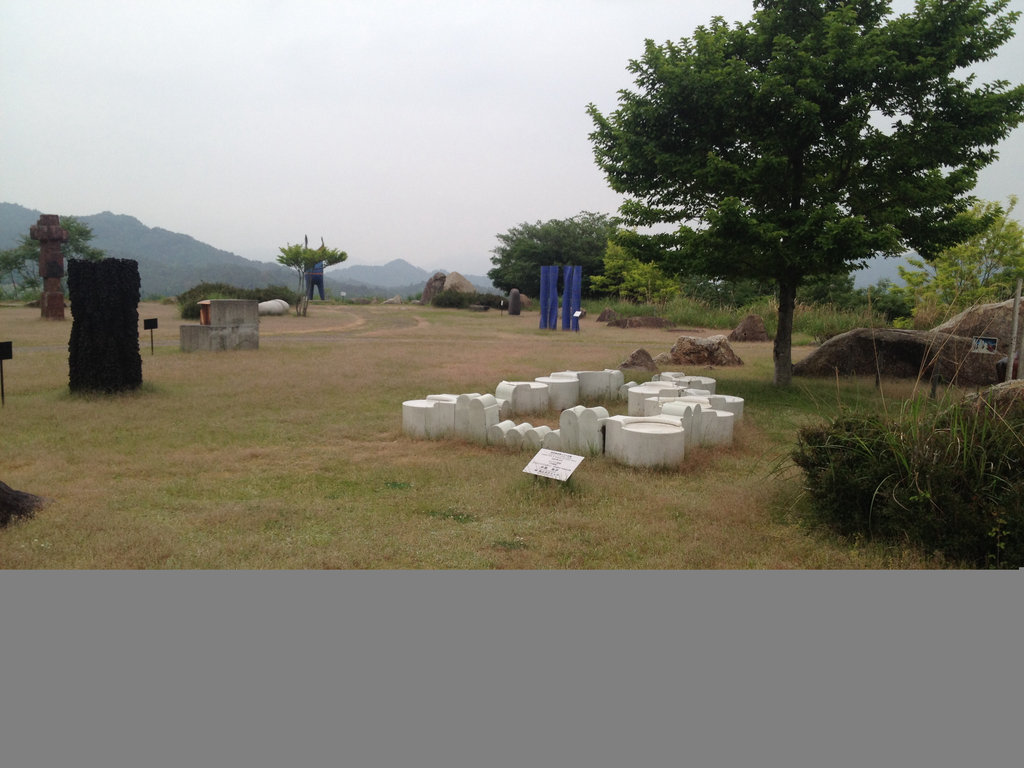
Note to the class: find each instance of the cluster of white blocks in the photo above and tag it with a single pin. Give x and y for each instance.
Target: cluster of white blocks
(665, 416)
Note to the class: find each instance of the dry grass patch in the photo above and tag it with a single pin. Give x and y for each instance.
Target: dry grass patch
(292, 456)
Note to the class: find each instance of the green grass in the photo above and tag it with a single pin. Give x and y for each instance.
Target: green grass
(293, 456)
(812, 324)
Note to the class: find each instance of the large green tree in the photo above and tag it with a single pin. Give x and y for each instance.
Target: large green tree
(810, 138)
(524, 249)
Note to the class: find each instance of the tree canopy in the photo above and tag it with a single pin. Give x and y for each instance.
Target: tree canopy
(814, 136)
(303, 259)
(524, 249)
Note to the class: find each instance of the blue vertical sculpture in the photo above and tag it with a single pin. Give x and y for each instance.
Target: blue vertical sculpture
(315, 279)
(571, 297)
(577, 296)
(548, 297)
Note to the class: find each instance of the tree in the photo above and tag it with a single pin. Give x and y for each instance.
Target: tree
(302, 259)
(21, 263)
(982, 269)
(812, 137)
(524, 249)
(629, 278)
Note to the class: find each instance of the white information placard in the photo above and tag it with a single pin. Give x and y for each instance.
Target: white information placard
(553, 464)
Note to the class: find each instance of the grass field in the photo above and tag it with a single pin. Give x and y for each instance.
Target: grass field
(293, 457)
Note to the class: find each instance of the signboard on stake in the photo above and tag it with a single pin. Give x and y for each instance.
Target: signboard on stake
(554, 464)
(148, 325)
(6, 352)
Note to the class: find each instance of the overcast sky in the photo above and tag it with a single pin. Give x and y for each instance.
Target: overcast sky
(392, 129)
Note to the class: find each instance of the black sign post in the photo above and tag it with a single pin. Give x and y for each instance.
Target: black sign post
(6, 351)
(148, 325)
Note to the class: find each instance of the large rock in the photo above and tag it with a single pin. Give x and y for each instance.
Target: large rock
(901, 354)
(640, 360)
(607, 315)
(751, 328)
(983, 320)
(456, 282)
(434, 286)
(713, 350)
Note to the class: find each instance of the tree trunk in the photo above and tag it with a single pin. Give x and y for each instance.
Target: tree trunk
(782, 350)
(16, 504)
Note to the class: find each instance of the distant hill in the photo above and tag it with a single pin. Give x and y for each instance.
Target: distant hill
(170, 263)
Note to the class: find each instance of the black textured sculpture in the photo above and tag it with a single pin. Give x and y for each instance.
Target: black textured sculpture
(103, 353)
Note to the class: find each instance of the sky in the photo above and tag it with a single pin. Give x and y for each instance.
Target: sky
(392, 129)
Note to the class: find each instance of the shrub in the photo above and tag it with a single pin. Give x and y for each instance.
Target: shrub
(188, 302)
(458, 300)
(943, 477)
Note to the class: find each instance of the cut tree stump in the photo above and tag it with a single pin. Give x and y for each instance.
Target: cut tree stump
(16, 504)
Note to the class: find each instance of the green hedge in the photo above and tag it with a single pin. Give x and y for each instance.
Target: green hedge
(459, 300)
(188, 302)
(947, 479)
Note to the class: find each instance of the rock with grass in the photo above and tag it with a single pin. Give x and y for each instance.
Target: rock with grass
(639, 360)
(751, 328)
(712, 351)
(992, 320)
(456, 282)
(901, 354)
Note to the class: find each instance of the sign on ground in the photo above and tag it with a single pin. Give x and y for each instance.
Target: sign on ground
(554, 464)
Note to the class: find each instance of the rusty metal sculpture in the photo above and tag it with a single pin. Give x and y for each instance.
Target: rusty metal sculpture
(51, 236)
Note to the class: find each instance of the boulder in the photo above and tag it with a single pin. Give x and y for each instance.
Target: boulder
(607, 314)
(983, 320)
(751, 328)
(396, 299)
(901, 354)
(456, 282)
(713, 350)
(273, 307)
(641, 360)
(433, 287)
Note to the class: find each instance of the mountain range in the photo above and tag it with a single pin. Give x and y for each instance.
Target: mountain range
(171, 263)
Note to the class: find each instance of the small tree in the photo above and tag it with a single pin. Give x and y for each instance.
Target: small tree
(631, 279)
(982, 269)
(302, 259)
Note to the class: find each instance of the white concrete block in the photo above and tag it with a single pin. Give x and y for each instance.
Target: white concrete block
(654, 441)
(639, 393)
(563, 391)
(525, 396)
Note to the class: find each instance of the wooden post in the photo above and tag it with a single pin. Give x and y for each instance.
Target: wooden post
(1013, 334)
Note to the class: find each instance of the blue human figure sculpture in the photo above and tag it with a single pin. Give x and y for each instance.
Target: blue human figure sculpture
(315, 278)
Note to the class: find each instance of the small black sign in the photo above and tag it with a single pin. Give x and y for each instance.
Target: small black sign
(6, 350)
(149, 324)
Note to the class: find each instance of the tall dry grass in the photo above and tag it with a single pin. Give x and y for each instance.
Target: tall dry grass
(292, 456)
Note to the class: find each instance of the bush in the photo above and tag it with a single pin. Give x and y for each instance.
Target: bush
(458, 300)
(944, 478)
(188, 302)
